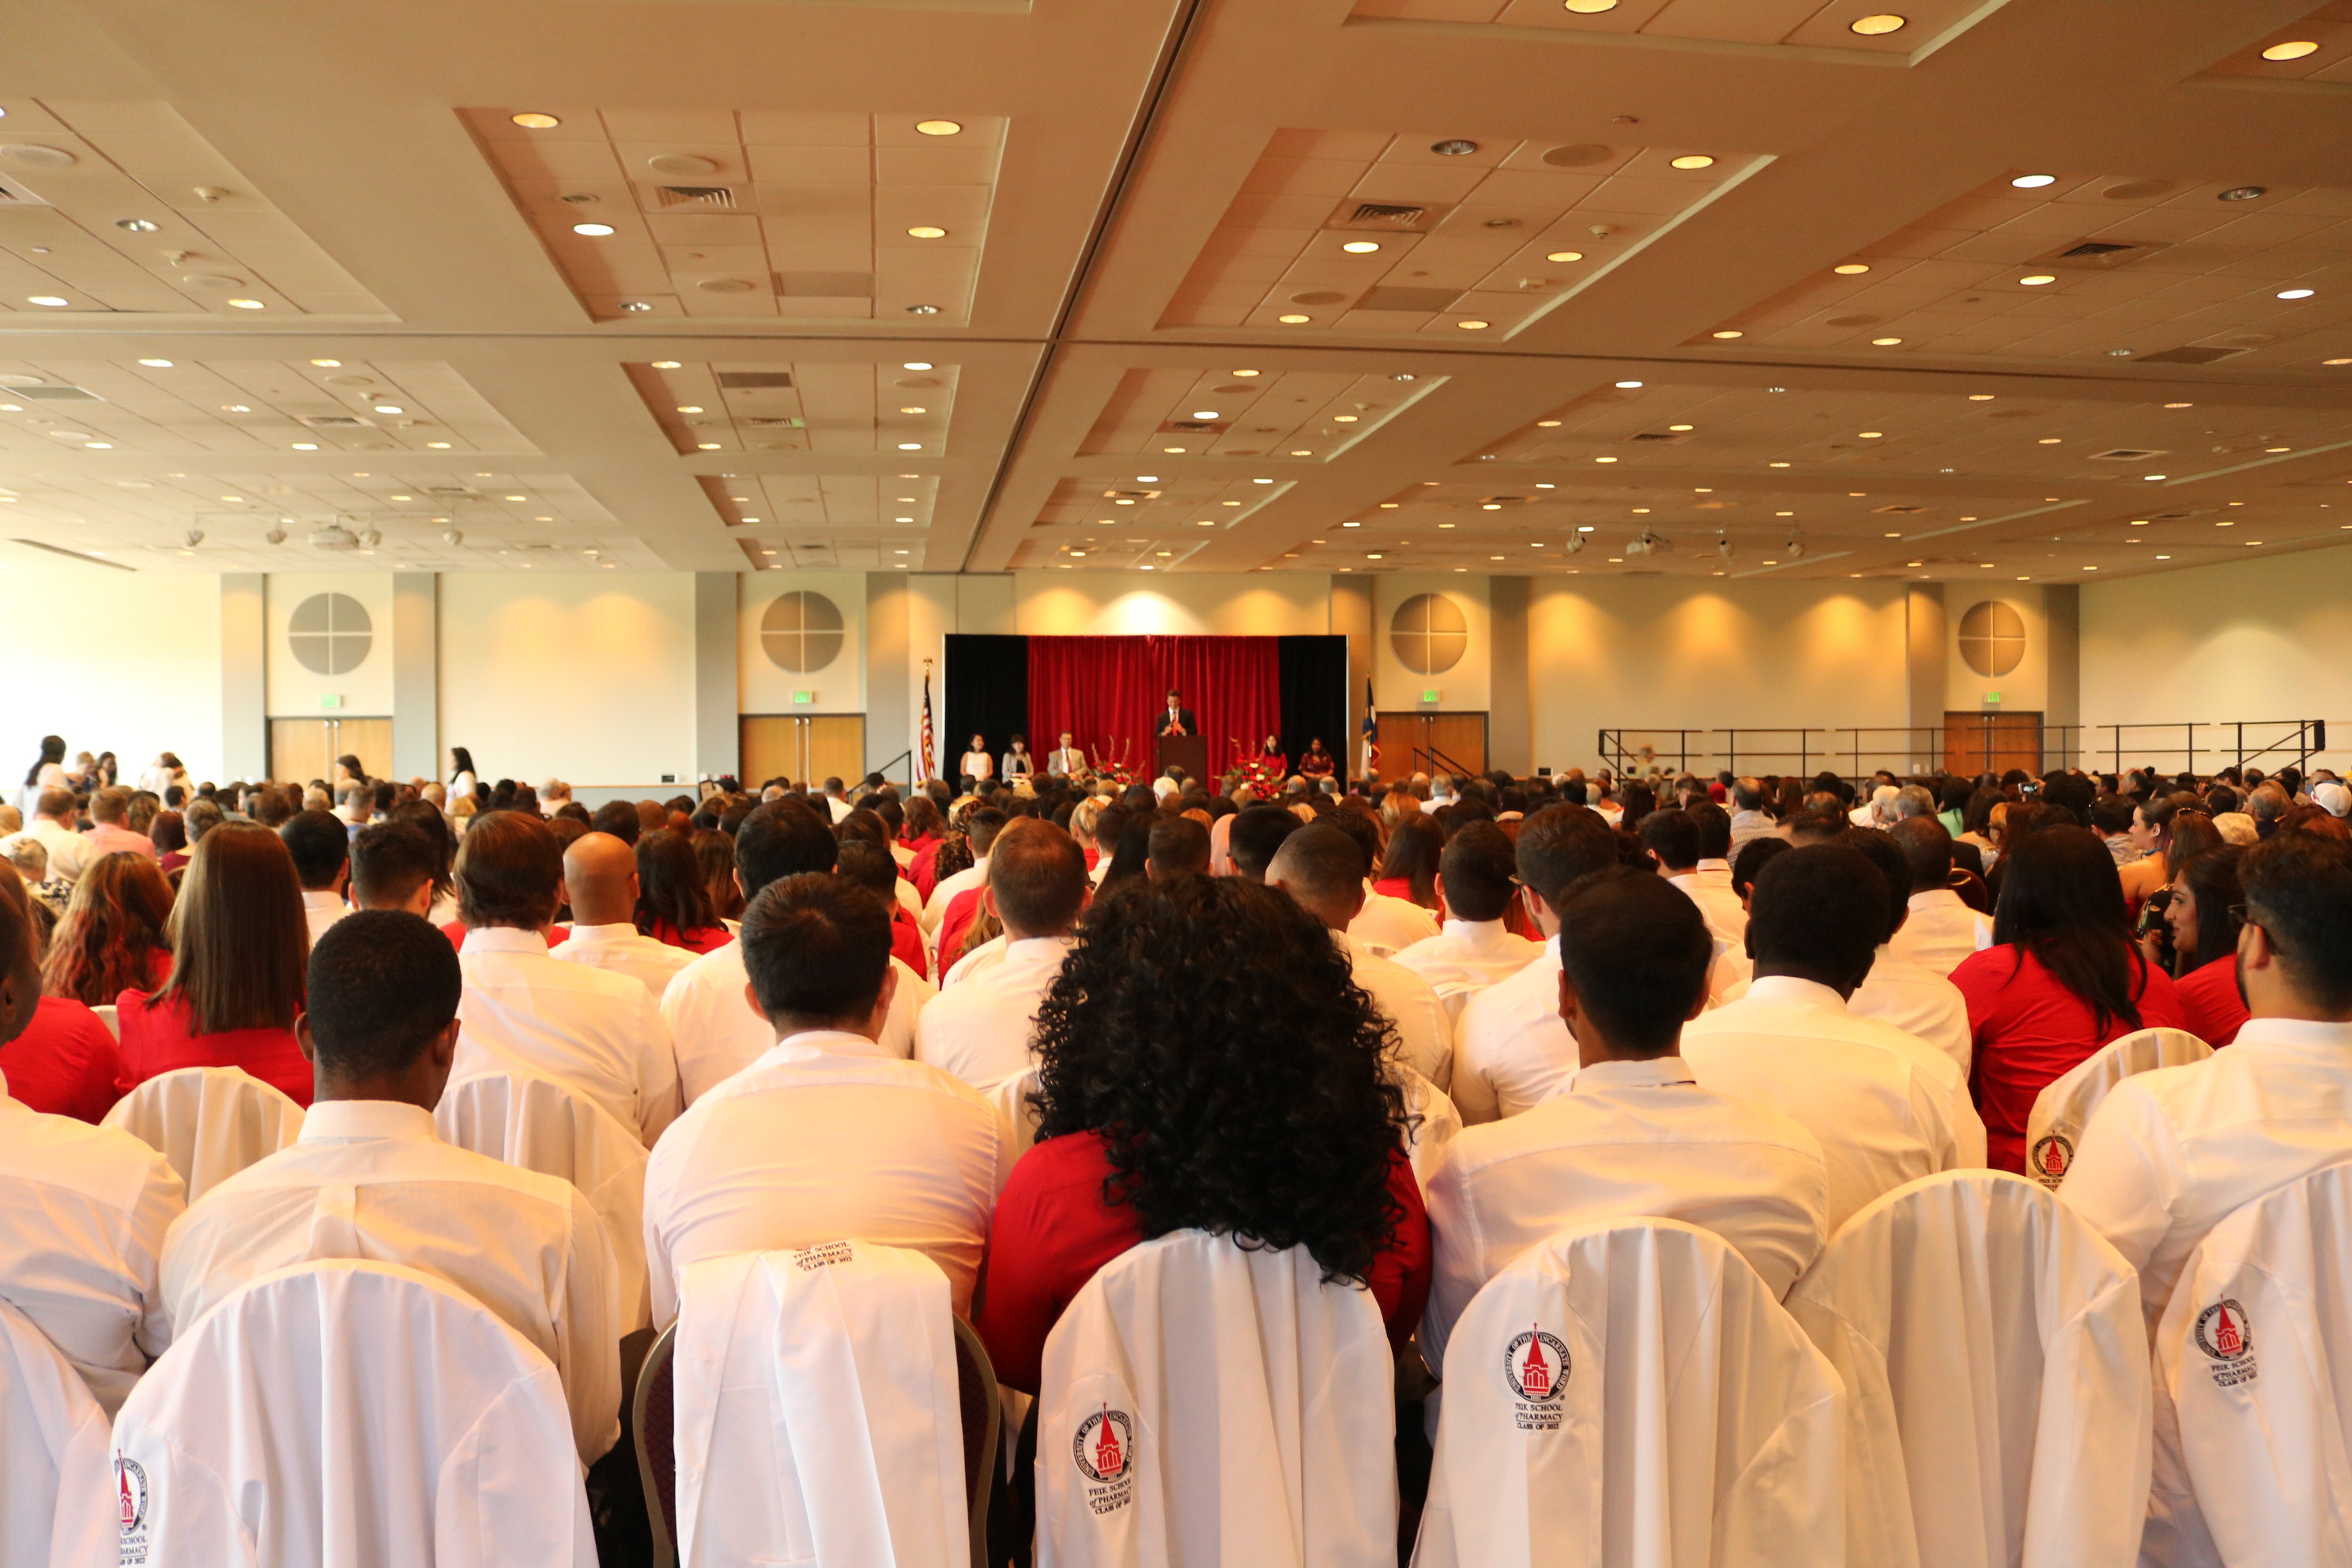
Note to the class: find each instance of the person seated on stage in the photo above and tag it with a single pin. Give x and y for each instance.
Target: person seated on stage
(1205, 1062)
(1315, 762)
(827, 1134)
(602, 884)
(2170, 1154)
(1064, 760)
(980, 1027)
(1179, 847)
(1178, 718)
(369, 1177)
(322, 846)
(1473, 950)
(599, 1033)
(1635, 1131)
(978, 766)
(1017, 763)
(83, 1209)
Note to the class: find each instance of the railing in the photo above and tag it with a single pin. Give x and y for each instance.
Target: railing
(907, 757)
(1426, 758)
(1854, 749)
(2281, 742)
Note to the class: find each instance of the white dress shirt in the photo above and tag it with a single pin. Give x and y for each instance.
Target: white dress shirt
(1425, 1033)
(1941, 930)
(1389, 925)
(1916, 1000)
(979, 1031)
(1511, 1049)
(1469, 956)
(1791, 1044)
(944, 891)
(1709, 887)
(2170, 1154)
(599, 1033)
(322, 909)
(824, 1137)
(719, 1033)
(987, 955)
(621, 949)
(371, 1179)
(1623, 1138)
(83, 1211)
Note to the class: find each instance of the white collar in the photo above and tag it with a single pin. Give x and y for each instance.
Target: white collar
(357, 1119)
(503, 939)
(1656, 1072)
(1714, 863)
(2304, 1034)
(612, 935)
(1933, 896)
(1791, 991)
(810, 1044)
(1475, 931)
(1039, 950)
(322, 898)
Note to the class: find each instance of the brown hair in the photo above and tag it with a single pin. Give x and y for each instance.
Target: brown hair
(240, 937)
(508, 867)
(714, 852)
(106, 941)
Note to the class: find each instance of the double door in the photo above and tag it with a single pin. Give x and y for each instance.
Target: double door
(303, 749)
(1447, 741)
(1991, 742)
(802, 747)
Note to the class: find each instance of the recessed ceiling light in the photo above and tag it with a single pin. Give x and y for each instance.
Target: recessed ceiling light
(1565, 255)
(1627, 385)
(1884, 343)
(2034, 280)
(1851, 269)
(914, 410)
(1474, 325)
(1204, 414)
(100, 445)
(156, 364)
(910, 446)
(246, 305)
(1604, 459)
(389, 408)
(2152, 477)
(2295, 49)
(1692, 160)
(1172, 451)
(2336, 362)
(1587, 8)
(532, 119)
(1302, 452)
(2033, 181)
(927, 231)
(438, 446)
(1876, 26)
(594, 230)
(2049, 440)
(922, 310)
(1872, 435)
(51, 301)
(1294, 320)
(135, 224)
(2242, 194)
(1454, 147)
(1727, 334)
(2180, 405)
(1776, 465)
(1982, 396)
(306, 446)
(939, 127)
(706, 446)
(916, 364)
(2278, 448)
(1682, 426)
(1360, 246)
(1244, 373)
(1547, 423)
(2296, 293)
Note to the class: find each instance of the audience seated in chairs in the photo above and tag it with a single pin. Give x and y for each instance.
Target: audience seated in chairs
(602, 883)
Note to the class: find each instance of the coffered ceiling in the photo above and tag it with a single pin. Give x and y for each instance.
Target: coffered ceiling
(2017, 290)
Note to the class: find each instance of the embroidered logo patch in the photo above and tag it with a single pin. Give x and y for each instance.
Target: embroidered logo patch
(131, 1483)
(824, 1255)
(1535, 1368)
(1105, 1451)
(2226, 1335)
(2053, 1154)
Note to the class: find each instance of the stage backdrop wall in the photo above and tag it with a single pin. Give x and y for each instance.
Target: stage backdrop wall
(1109, 692)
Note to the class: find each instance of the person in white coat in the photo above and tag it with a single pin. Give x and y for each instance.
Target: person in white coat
(1320, 868)
(981, 1029)
(1634, 1131)
(2170, 1154)
(600, 883)
(371, 1178)
(1473, 950)
(1941, 930)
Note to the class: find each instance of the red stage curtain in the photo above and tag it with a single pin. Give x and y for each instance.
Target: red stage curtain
(1109, 692)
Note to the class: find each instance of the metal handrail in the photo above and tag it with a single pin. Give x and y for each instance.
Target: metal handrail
(2305, 737)
(907, 757)
(1433, 756)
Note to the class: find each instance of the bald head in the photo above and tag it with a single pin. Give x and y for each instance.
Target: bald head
(1322, 868)
(600, 880)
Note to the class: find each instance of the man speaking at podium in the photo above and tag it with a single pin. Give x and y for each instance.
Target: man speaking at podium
(1178, 718)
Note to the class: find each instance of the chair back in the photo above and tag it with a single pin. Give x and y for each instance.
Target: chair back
(2253, 1388)
(392, 1421)
(2053, 1129)
(1437, 1125)
(110, 1017)
(1990, 1344)
(983, 1409)
(208, 1124)
(1012, 1098)
(540, 1124)
(1628, 1395)
(57, 1489)
(1207, 1404)
(818, 1413)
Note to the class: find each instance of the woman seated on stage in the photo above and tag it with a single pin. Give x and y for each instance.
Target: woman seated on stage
(1316, 762)
(1018, 764)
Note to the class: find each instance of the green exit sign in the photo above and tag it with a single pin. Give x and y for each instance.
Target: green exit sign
(1429, 696)
(803, 699)
(331, 699)
(1992, 698)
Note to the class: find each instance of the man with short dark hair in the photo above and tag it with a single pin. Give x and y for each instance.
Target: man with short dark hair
(598, 1032)
(836, 801)
(1257, 832)
(980, 1026)
(1679, 841)
(1859, 1086)
(954, 902)
(1473, 950)
(1900, 991)
(619, 818)
(1322, 869)
(394, 867)
(826, 1134)
(717, 1032)
(370, 1178)
(2170, 1154)
(322, 851)
(1179, 847)
(1387, 925)
(1940, 930)
(1635, 1131)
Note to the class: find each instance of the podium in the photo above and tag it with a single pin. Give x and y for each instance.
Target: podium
(1189, 752)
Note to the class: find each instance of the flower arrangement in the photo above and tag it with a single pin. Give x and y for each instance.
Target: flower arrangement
(1260, 772)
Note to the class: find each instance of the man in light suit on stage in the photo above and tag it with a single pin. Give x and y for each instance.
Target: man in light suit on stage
(1178, 718)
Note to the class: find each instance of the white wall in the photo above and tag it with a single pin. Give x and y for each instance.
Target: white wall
(1083, 604)
(123, 661)
(2026, 688)
(1664, 653)
(298, 693)
(839, 687)
(583, 676)
(1465, 688)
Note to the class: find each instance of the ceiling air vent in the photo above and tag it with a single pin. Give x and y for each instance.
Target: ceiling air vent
(2091, 247)
(1897, 511)
(1667, 436)
(56, 393)
(1130, 495)
(333, 421)
(1175, 427)
(333, 536)
(2190, 355)
(452, 492)
(1388, 215)
(2127, 454)
(755, 380)
(694, 195)
(13, 194)
(2098, 255)
(771, 424)
(1420, 301)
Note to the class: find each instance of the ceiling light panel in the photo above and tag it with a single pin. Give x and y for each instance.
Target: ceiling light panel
(817, 406)
(771, 214)
(1109, 506)
(2329, 27)
(2150, 270)
(248, 407)
(1806, 22)
(833, 510)
(1464, 236)
(1158, 413)
(787, 551)
(102, 197)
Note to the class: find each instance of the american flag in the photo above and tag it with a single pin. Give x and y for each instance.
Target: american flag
(923, 762)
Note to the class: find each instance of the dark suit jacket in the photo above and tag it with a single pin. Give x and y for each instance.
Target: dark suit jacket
(1183, 715)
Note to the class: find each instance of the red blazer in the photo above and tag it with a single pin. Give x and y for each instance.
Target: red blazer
(156, 1039)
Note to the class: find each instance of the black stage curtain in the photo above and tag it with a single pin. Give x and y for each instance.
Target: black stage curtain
(1314, 698)
(987, 694)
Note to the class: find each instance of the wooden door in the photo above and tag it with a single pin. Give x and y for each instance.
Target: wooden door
(770, 749)
(802, 747)
(1992, 742)
(837, 748)
(1399, 734)
(369, 740)
(1461, 738)
(302, 750)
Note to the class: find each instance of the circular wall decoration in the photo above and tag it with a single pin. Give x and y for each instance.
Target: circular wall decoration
(1992, 638)
(801, 632)
(330, 634)
(1429, 633)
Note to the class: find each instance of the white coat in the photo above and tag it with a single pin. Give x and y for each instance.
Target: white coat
(1998, 1387)
(2054, 1127)
(208, 1124)
(817, 1418)
(393, 1422)
(56, 1487)
(1204, 1404)
(1629, 1394)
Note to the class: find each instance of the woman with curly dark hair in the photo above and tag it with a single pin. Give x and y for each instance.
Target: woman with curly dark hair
(1206, 1062)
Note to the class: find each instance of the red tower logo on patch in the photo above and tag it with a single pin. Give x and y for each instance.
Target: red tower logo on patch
(2051, 1154)
(2224, 1330)
(1105, 1446)
(131, 1482)
(1536, 1365)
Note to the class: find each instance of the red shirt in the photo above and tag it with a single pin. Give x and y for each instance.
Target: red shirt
(702, 939)
(922, 873)
(2028, 1029)
(961, 910)
(556, 936)
(156, 1039)
(2208, 996)
(907, 941)
(1402, 888)
(1053, 1230)
(64, 1063)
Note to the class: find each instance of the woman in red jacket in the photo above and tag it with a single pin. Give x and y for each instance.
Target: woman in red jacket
(1204, 1062)
(2207, 897)
(2061, 980)
(239, 945)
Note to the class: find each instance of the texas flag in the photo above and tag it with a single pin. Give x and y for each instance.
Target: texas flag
(1372, 733)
